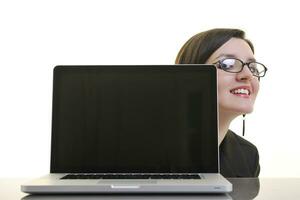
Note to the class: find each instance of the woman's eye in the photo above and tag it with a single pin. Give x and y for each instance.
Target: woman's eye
(254, 70)
(227, 64)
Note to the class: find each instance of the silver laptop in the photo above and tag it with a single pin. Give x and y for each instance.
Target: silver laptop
(134, 129)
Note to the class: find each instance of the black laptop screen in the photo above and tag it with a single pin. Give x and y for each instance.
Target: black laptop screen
(134, 119)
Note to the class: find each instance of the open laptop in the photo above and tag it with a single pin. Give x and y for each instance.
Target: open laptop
(134, 128)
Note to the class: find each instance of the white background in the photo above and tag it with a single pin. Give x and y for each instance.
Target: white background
(37, 35)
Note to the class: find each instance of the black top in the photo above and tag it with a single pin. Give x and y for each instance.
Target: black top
(238, 157)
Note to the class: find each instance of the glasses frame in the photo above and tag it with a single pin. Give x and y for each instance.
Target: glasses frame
(219, 65)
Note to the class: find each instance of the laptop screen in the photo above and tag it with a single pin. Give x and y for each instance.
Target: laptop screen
(135, 119)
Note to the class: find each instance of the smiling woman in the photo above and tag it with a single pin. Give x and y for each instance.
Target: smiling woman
(238, 86)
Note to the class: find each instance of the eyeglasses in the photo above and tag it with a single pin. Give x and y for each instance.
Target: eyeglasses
(234, 65)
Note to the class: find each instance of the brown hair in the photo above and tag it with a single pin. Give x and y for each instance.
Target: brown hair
(201, 46)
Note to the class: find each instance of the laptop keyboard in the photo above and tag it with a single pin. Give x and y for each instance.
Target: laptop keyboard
(132, 176)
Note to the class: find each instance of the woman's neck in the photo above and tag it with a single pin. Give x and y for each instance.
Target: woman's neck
(225, 119)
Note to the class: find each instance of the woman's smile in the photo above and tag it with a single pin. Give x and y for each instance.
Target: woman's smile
(242, 91)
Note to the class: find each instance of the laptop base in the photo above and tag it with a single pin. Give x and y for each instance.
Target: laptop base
(53, 184)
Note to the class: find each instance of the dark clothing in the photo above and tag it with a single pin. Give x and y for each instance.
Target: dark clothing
(238, 157)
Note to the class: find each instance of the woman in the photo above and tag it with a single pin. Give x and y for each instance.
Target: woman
(238, 85)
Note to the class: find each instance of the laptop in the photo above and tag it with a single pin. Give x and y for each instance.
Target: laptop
(133, 129)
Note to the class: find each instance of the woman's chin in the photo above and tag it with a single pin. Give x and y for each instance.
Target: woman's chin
(238, 110)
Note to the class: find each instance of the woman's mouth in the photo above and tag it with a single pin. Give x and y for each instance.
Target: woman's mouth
(241, 92)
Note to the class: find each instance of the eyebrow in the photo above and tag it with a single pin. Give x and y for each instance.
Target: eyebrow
(233, 56)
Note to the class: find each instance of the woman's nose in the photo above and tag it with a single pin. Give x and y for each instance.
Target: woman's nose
(245, 74)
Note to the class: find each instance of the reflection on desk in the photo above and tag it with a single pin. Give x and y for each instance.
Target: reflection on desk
(244, 188)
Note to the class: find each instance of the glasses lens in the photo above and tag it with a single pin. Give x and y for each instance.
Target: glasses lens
(231, 65)
(257, 69)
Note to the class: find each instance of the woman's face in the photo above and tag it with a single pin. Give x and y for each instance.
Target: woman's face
(230, 100)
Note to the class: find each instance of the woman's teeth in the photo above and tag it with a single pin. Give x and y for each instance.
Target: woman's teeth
(241, 91)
